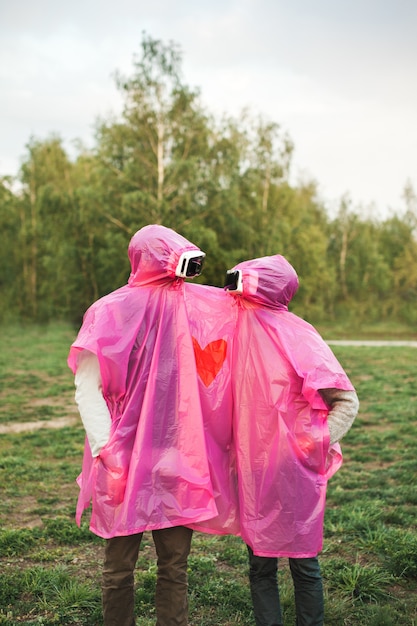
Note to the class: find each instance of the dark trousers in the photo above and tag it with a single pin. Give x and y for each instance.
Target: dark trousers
(171, 599)
(308, 590)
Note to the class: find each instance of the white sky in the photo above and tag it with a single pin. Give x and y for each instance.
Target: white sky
(340, 76)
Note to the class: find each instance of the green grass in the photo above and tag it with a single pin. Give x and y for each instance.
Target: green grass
(50, 569)
(358, 329)
(34, 377)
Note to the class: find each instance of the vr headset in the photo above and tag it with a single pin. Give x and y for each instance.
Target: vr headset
(234, 281)
(190, 264)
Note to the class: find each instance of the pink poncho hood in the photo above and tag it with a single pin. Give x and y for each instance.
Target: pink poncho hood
(154, 252)
(280, 420)
(153, 472)
(269, 281)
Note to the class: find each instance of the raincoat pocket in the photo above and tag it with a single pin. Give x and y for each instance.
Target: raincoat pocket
(311, 452)
(111, 479)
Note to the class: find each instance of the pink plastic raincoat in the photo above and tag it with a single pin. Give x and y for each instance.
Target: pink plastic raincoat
(280, 420)
(154, 471)
(213, 317)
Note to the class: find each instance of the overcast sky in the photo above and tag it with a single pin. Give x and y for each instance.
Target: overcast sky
(340, 76)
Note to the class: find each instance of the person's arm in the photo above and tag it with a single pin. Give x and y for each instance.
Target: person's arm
(91, 404)
(344, 406)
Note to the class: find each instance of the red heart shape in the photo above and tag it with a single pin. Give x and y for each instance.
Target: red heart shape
(209, 360)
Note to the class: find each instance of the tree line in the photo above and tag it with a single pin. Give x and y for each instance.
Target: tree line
(221, 182)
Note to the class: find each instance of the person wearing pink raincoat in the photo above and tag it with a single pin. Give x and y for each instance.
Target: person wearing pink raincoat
(292, 404)
(146, 463)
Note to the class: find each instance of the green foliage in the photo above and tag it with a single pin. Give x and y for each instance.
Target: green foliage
(399, 550)
(362, 583)
(14, 542)
(59, 597)
(64, 531)
(222, 183)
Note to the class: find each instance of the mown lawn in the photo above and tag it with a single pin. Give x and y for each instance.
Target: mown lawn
(50, 570)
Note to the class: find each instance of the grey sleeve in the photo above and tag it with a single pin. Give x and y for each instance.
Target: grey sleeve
(344, 406)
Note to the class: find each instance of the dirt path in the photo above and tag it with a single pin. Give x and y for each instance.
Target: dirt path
(23, 427)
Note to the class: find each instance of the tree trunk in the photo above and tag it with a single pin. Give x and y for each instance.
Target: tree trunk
(34, 246)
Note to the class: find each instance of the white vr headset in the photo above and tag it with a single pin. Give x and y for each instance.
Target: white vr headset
(234, 281)
(190, 264)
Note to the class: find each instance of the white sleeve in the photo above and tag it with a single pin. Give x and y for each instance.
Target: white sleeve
(91, 404)
(344, 406)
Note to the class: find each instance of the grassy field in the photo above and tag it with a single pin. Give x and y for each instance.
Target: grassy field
(50, 569)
